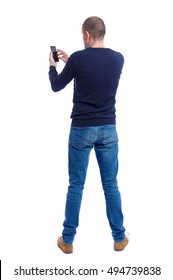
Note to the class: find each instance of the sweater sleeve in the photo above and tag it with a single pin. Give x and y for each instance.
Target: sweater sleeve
(59, 81)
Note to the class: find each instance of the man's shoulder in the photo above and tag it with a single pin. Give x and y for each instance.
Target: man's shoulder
(78, 53)
(116, 53)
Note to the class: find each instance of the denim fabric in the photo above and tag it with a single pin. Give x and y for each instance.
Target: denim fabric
(82, 140)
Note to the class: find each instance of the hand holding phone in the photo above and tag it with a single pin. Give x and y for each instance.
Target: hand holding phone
(54, 53)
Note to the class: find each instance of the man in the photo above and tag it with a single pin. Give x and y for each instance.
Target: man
(96, 72)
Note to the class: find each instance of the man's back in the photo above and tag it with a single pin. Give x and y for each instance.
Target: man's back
(96, 73)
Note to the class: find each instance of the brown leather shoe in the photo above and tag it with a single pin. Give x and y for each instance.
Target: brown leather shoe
(119, 246)
(66, 248)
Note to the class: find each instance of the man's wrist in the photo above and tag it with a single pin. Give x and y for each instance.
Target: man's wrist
(52, 67)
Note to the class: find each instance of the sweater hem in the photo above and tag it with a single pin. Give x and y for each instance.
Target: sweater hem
(92, 122)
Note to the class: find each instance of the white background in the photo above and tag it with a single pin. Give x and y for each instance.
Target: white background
(34, 127)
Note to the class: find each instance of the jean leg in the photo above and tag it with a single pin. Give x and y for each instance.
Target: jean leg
(79, 151)
(107, 157)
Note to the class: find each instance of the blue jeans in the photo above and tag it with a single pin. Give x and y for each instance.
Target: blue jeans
(104, 140)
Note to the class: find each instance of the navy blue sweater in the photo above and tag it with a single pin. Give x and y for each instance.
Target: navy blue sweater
(96, 73)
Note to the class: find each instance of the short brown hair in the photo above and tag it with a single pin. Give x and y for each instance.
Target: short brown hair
(95, 26)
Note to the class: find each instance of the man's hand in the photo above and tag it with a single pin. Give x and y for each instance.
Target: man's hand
(51, 60)
(62, 55)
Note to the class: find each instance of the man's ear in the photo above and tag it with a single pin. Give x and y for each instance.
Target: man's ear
(87, 35)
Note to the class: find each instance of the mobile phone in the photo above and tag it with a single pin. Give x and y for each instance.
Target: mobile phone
(53, 50)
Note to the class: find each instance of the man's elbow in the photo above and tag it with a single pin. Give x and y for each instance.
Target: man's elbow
(55, 87)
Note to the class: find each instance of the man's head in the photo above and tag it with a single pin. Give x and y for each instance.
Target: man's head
(93, 30)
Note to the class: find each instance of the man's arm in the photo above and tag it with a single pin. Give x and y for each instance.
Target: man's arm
(59, 81)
